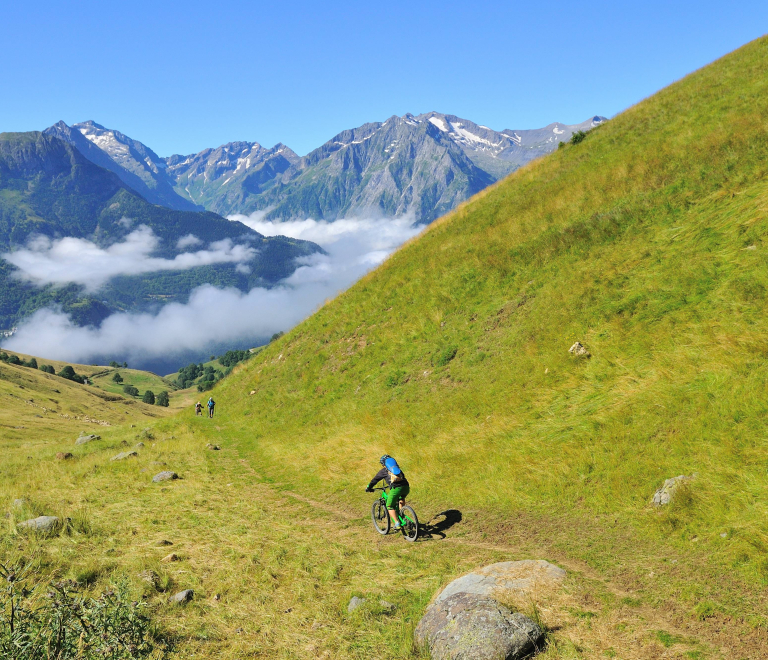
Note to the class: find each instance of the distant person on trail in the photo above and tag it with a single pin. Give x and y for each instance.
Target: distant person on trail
(198, 409)
(399, 488)
(211, 406)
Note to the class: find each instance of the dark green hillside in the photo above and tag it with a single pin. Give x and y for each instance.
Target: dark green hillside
(47, 187)
(647, 242)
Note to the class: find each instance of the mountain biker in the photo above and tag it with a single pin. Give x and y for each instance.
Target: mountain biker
(399, 488)
(211, 406)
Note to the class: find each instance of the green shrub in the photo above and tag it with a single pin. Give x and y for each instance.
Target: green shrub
(117, 378)
(130, 390)
(445, 356)
(47, 368)
(67, 625)
(31, 363)
(149, 397)
(162, 399)
(14, 359)
(577, 137)
(69, 373)
(398, 377)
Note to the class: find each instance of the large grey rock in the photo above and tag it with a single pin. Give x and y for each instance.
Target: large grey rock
(166, 475)
(468, 626)
(665, 494)
(41, 524)
(505, 579)
(85, 439)
(182, 597)
(123, 455)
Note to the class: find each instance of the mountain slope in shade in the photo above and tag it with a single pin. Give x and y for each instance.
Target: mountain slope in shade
(135, 164)
(48, 188)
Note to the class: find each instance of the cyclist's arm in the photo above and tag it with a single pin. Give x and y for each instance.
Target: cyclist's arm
(379, 476)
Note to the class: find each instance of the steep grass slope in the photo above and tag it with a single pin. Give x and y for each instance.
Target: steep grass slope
(648, 243)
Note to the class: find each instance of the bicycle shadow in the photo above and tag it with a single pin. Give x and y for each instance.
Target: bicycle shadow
(435, 528)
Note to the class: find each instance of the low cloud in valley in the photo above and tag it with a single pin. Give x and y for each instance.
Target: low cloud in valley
(211, 317)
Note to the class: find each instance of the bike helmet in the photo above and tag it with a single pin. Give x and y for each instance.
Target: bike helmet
(383, 459)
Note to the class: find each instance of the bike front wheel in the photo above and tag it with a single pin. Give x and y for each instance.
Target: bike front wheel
(410, 523)
(380, 517)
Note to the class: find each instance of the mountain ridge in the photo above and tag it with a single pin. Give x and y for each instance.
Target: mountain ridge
(422, 165)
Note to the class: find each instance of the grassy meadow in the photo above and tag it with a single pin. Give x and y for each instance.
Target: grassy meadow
(647, 242)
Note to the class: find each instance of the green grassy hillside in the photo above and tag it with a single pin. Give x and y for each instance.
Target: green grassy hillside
(646, 242)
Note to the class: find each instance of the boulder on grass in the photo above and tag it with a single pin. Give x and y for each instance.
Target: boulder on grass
(165, 475)
(665, 494)
(44, 524)
(182, 597)
(579, 350)
(85, 439)
(473, 627)
(63, 455)
(123, 455)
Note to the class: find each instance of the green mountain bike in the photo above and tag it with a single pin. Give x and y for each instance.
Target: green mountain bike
(409, 523)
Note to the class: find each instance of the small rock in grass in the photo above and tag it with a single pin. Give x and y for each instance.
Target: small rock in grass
(579, 350)
(139, 445)
(252, 393)
(386, 605)
(124, 454)
(355, 603)
(41, 524)
(213, 447)
(150, 576)
(182, 597)
(19, 503)
(165, 475)
(665, 494)
(164, 542)
(724, 535)
(84, 439)
(170, 558)
(64, 456)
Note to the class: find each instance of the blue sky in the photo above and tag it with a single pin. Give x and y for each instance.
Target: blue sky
(182, 76)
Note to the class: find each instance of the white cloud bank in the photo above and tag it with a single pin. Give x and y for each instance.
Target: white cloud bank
(215, 316)
(65, 260)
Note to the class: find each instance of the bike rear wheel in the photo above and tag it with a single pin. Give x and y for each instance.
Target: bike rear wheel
(380, 517)
(410, 526)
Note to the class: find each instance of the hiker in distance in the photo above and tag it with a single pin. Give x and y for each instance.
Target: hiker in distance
(198, 409)
(399, 488)
(211, 406)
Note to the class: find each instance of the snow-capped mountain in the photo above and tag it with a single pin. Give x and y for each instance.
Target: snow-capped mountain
(136, 164)
(223, 178)
(423, 165)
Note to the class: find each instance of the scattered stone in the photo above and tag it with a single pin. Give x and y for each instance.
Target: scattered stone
(19, 503)
(64, 456)
(467, 625)
(252, 393)
(124, 454)
(163, 543)
(579, 350)
(170, 558)
(505, 578)
(724, 535)
(217, 597)
(139, 445)
(665, 494)
(317, 625)
(182, 597)
(85, 439)
(213, 447)
(355, 603)
(41, 524)
(133, 426)
(386, 605)
(166, 475)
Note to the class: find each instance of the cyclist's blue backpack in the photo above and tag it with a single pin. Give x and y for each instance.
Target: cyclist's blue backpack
(394, 470)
